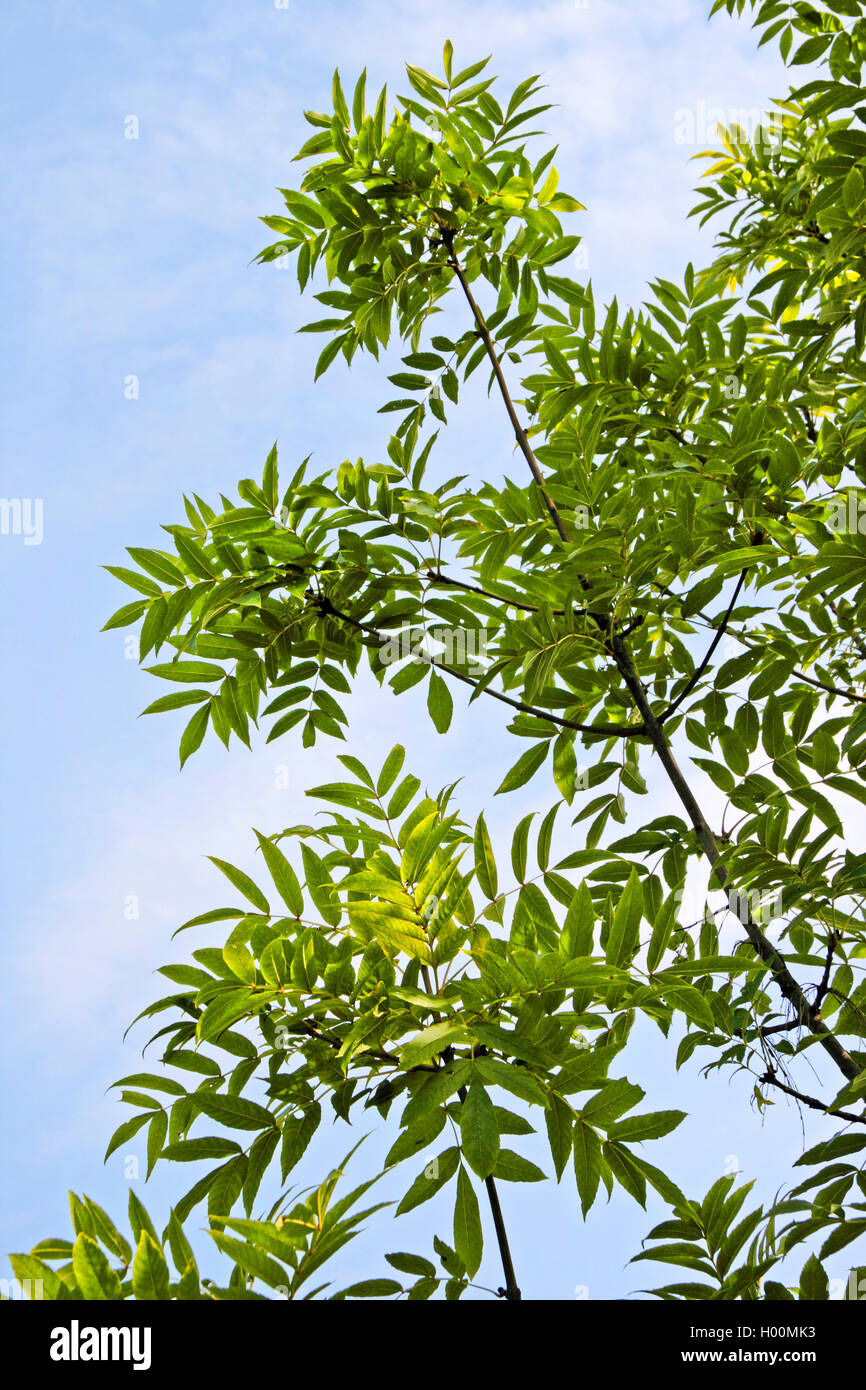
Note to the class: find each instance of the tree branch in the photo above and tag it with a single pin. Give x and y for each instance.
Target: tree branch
(824, 986)
(436, 577)
(512, 1290)
(652, 728)
(519, 432)
(604, 730)
(768, 953)
(706, 661)
(850, 695)
(769, 1079)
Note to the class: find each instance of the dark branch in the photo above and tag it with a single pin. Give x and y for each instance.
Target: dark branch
(448, 581)
(850, 695)
(519, 432)
(706, 661)
(512, 1290)
(604, 730)
(652, 727)
(767, 952)
(769, 1079)
(824, 986)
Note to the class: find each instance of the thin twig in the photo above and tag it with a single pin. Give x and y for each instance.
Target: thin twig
(519, 432)
(706, 661)
(769, 1079)
(436, 577)
(850, 695)
(824, 986)
(604, 730)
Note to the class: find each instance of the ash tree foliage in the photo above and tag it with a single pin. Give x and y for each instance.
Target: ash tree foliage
(669, 581)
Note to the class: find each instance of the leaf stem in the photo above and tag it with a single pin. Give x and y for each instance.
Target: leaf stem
(519, 432)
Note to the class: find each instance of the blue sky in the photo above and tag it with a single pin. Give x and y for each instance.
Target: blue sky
(130, 258)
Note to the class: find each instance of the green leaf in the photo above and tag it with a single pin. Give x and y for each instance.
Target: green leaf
(297, 1133)
(411, 1264)
(687, 1000)
(270, 480)
(233, 1111)
(31, 1272)
(417, 1135)
(138, 1217)
(253, 1261)
(191, 1150)
(150, 1276)
(319, 887)
(226, 1188)
(394, 929)
(578, 929)
(623, 938)
(53, 1248)
(485, 864)
(140, 582)
(178, 700)
(604, 1108)
(468, 1239)
(814, 1284)
(439, 703)
(431, 1041)
(284, 876)
(565, 765)
(181, 1250)
(432, 1177)
(243, 883)
(190, 672)
(625, 1171)
(93, 1274)
(518, 847)
(587, 1163)
(162, 567)
(512, 1167)
(125, 1131)
(126, 616)
(479, 1130)
(559, 1122)
(194, 732)
(156, 1138)
(390, 769)
(773, 736)
(557, 250)
(526, 767)
(240, 962)
(260, 1155)
(372, 1288)
(650, 1126)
